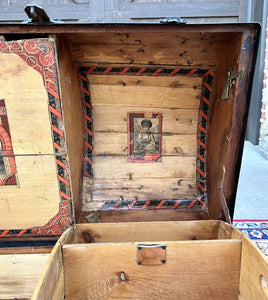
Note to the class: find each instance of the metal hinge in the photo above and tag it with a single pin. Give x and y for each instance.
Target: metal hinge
(229, 83)
(174, 20)
(37, 15)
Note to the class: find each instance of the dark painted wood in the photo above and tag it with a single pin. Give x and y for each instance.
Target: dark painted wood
(227, 124)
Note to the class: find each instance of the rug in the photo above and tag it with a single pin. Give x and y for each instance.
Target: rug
(256, 230)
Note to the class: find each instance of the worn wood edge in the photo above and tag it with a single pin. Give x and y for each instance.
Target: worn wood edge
(118, 28)
(228, 231)
(253, 272)
(59, 289)
(50, 285)
(72, 110)
(19, 273)
(146, 215)
(231, 241)
(26, 250)
(147, 231)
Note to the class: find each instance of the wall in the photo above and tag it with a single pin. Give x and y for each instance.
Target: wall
(264, 108)
(136, 11)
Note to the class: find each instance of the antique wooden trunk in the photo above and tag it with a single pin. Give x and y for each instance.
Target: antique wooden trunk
(111, 124)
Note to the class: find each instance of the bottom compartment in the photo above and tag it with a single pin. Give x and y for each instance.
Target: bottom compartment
(154, 260)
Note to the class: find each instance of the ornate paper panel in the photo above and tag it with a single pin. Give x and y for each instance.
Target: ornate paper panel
(41, 205)
(8, 168)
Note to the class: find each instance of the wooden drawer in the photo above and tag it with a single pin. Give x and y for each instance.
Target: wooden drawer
(155, 260)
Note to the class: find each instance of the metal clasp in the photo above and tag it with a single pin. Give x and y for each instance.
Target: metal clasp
(37, 15)
(229, 83)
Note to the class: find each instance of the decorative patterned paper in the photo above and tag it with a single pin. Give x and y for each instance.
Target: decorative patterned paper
(40, 55)
(8, 168)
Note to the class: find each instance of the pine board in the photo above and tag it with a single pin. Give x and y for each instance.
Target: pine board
(175, 121)
(146, 232)
(27, 109)
(147, 48)
(178, 81)
(108, 167)
(156, 189)
(36, 199)
(147, 96)
(172, 145)
(19, 273)
(181, 277)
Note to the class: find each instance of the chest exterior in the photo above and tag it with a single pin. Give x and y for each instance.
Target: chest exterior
(124, 123)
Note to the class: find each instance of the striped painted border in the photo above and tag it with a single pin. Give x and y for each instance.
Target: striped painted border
(208, 76)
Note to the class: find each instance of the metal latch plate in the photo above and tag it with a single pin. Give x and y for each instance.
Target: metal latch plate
(151, 254)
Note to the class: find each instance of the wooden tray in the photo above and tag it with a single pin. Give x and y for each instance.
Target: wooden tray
(155, 260)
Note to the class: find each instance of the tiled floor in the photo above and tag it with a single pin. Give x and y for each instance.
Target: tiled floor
(252, 192)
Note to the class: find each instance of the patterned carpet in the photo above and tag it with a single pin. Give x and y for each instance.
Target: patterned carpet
(256, 230)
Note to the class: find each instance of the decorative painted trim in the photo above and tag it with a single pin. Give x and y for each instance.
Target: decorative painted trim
(152, 204)
(88, 122)
(8, 176)
(40, 55)
(208, 76)
(202, 130)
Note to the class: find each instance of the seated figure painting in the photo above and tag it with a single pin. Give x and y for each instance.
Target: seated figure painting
(144, 137)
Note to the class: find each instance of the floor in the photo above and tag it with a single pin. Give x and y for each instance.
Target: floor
(252, 192)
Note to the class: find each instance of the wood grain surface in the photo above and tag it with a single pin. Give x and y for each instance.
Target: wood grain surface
(19, 273)
(94, 271)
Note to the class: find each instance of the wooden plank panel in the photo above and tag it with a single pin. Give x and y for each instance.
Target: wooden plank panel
(189, 265)
(180, 121)
(198, 49)
(178, 81)
(73, 120)
(147, 96)
(254, 272)
(144, 194)
(27, 106)
(36, 200)
(19, 274)
(176, 145)
(147, 232)
(140, 183)
(154, 189)
(105, 167)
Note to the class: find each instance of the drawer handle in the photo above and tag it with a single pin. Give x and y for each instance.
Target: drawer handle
(151, 254)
